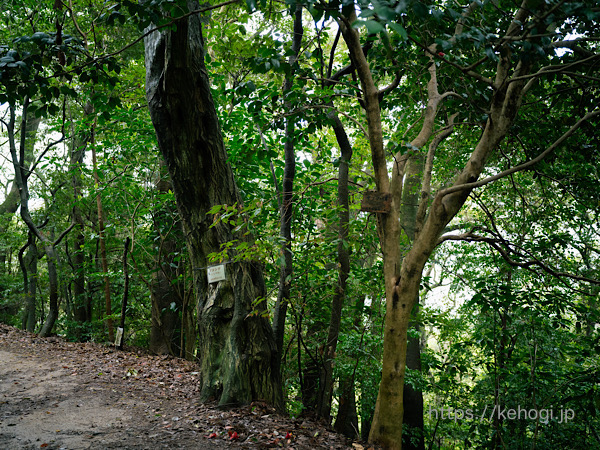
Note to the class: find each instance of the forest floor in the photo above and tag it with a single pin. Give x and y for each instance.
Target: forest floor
(62, 395)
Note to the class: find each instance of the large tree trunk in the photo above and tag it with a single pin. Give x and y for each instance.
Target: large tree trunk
(237, 352)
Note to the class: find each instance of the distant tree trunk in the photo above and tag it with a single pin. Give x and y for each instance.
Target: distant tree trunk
(346, 421)
(188, 326)
(414, 437)
(11, 203)
(81, 312)
(289, 172)
(103, 257)
(125, 292)
(29, 268)
(238, 354)
(326, 384)
(53, 290)
(21, 177)
(167, 290)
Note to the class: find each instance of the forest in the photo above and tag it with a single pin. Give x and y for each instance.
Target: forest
(382, 214)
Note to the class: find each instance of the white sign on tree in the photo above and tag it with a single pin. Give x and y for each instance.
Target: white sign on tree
(216, 273)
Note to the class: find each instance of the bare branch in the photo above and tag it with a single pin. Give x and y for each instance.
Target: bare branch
(466, 70)
(558, 68)
(63, 234)
(391, 87)
(426, 184)
(349, 117)
(494, 243)
(525, 165)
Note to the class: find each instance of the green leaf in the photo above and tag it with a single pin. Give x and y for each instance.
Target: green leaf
(373, 26)
(399, 29)
(421, 10)
(489, 51)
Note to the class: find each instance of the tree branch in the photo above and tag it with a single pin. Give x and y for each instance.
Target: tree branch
(494, 243)
(525, 165)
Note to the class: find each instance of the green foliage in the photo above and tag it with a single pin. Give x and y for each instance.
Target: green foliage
(517, 335)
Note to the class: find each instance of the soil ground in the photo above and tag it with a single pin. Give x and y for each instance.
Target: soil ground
(61, 395)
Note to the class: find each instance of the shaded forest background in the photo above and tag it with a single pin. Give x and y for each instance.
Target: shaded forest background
(506, 314)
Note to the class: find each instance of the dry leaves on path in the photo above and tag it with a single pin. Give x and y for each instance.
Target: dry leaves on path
(140, 401)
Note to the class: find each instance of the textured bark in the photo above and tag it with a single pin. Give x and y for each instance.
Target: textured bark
(167, 290)
(289, 172)
(237, 351)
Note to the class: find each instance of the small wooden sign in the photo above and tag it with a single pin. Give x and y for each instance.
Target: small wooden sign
(216, 273)
(376, 202)
(118, 336)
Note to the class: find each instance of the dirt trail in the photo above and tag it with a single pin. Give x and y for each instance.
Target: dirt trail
(60, 395)
(43, 405)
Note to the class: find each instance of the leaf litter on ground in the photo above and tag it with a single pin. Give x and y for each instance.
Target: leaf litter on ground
(168, 389)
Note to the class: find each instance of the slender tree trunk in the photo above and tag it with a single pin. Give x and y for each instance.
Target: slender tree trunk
(29, 268)
(21, 177)
(125, 291)
(403, 272)
(188, 332)
(414, 438)
(326, 385)
(238, 354)
(103, 256)
(346, 421)
(413, 397)
(289, 172)
(80, 310)
(11, 203)
(53, 290)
